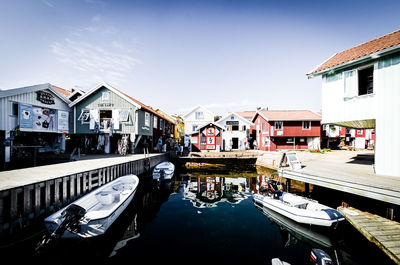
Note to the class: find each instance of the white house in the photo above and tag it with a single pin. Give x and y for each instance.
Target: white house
(361, 90)
(197, 117)
(237, 132)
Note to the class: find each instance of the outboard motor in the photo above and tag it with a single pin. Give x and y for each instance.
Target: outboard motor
(273, 189)
(72, 215)
(162, 173)
(319, 257)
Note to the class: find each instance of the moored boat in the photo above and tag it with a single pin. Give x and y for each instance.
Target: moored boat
(298, 208)
(164, 171)
(95, 212)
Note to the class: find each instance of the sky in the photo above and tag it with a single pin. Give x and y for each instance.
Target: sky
(225, 55)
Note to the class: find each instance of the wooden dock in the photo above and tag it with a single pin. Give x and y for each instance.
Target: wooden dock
(31, 193)
(345, 171)
(381, 231)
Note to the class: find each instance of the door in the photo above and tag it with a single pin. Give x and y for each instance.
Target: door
(235, 143)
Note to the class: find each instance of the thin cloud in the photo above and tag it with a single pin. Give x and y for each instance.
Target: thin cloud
(48, 3)
(94, 60)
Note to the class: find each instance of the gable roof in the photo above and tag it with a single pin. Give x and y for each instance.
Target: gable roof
(113, 89)
(206, 124)
(128, 98)
(247, 114)
(196, 108)
(367, 50)
(29, 89)
(288, 115)
(239, 117)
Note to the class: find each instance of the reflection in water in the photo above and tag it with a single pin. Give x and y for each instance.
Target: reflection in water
(163, 224)
(207, 192)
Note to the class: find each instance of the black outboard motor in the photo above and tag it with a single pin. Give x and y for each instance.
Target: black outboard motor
(319, 257)
(72, 215)
(162, 173)
(273, 189)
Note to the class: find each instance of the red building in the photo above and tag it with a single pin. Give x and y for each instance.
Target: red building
(286, 129)
(207, 137)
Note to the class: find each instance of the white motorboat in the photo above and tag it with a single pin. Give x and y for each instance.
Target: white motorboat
(165, 170)
(298, 208)
(93, 214)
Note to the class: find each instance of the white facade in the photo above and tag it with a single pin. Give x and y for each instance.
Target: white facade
(197, 117)
(237, 132)
(379, 110)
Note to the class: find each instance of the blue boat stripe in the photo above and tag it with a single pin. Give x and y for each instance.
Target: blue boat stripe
(262, 202)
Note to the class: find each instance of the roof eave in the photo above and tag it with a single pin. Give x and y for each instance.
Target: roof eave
(366, 58)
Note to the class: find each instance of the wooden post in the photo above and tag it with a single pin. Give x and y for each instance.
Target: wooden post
(37, 199)
(72, 186)
(48, 194)
(287, 185)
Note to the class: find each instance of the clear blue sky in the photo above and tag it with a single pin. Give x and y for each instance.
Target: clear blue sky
(174, 55)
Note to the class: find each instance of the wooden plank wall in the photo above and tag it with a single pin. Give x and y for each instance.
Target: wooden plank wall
(19, 206)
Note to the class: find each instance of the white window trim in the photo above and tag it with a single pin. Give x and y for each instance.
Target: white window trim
(80, 115)
(306, 129)
(281, 129)
(147, 121)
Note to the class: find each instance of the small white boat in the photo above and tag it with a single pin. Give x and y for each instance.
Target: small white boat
(164, 170)
(93, 214)
(299, 209)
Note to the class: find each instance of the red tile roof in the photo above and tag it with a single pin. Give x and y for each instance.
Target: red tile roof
(367, 48)
(290, 115)
(63, 91)
(248, 114)
(148, 108)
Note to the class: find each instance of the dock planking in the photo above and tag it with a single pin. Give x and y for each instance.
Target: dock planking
(378, 230)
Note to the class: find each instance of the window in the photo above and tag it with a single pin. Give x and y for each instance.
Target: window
(15, 109)
(155, 122)
(194, 128)
(350, 84)
(279, 125)
(244, 127)
(199, 115)
(263, 127)
(366, 81)
(105, 119)
(124, 115)
(105, 96)
(147, 119)
(306, 125)
(235, 127)
(359, 132)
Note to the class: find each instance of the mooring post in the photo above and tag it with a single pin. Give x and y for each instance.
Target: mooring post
(288, 185)
(306, 188)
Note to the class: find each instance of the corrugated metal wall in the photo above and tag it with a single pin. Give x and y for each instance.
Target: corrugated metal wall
(9, 122)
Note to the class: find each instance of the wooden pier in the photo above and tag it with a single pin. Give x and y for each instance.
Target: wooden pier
(346, 171)
(381, 231)
(30, 193)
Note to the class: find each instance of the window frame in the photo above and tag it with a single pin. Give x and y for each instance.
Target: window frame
(304, 128)
(276, 127)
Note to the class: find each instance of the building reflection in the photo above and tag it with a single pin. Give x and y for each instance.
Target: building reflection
(209, 191)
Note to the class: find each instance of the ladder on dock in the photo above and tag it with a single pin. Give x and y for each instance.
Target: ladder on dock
(381, 231)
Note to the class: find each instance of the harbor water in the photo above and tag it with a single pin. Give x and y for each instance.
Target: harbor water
(200, 219)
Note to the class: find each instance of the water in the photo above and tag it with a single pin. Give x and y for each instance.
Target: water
(201, 219)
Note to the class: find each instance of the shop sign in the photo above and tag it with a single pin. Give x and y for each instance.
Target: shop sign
(25, 116)
(45, 98)
(232, 122)
(63, 120)
(103, 105)
(44, 119)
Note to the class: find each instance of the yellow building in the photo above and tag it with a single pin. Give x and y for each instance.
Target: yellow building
(179, 129)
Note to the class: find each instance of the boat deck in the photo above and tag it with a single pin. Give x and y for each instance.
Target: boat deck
(381, 231)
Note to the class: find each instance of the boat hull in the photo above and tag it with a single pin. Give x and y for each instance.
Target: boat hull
(323, 216)
(168, 171)
(101, 211)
